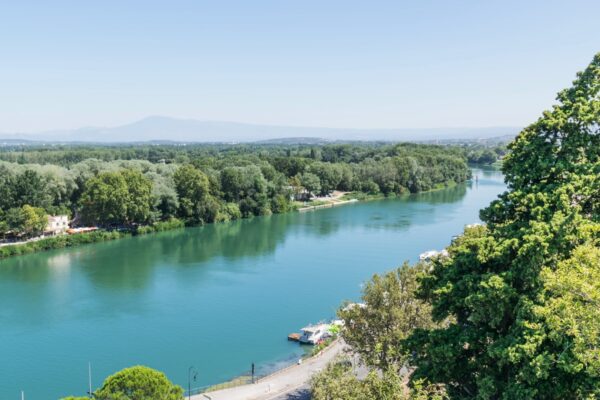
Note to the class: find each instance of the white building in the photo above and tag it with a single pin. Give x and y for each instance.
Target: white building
(57, 224)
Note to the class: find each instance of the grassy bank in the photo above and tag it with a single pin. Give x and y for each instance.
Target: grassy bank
(361, 196)
(63, 241)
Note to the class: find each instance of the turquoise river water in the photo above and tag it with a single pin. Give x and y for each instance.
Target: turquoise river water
(217, 297)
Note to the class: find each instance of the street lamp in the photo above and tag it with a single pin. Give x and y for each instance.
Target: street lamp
(192, 375)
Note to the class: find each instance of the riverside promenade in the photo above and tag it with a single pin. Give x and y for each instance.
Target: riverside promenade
(279, 384)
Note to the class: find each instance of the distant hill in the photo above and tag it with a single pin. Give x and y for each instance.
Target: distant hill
(166, 129)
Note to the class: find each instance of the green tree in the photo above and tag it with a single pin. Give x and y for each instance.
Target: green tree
(248, 187)
(117, 198)
(336, 382)
(195, 202)
(572, 311)
(35, 220)
(105, 199)
(311, 182)
(330, 175)
(376, 329)
(137, 383)
(14, 221)
(339, 381)
(165, 200)
(231, 183)
(139, 199)
(30, 188)
(521, 290)
(4, 229)
(7, 188)
(27, 220)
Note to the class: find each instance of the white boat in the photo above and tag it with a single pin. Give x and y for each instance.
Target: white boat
(313, 334)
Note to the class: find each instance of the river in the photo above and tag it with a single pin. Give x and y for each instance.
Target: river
(218, 297)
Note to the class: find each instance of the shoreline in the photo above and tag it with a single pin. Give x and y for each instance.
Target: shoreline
(329, 205)
(36, 245)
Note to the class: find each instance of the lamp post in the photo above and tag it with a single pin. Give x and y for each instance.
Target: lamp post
(90, 380)
(192, 375)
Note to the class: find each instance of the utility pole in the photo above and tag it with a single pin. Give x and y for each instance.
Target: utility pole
(22, 395)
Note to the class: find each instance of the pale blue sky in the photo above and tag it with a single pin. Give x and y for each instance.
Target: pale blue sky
(363, 64)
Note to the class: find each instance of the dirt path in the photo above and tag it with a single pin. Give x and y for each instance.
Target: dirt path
(276, 386)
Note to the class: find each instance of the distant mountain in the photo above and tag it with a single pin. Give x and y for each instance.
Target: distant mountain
(166, 129)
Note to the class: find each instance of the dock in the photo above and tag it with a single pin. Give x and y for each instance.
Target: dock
(294, 337)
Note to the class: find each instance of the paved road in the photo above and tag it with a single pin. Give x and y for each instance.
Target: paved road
(288, 384)
(300, 394)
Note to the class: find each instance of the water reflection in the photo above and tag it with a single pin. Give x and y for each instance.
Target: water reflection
(130, 263)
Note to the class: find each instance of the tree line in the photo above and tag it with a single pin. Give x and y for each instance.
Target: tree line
(69, 154)
(205, 184)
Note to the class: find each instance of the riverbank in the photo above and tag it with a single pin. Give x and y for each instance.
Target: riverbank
(327, 205)
(338, 198)
(64, 241)
(361, 196)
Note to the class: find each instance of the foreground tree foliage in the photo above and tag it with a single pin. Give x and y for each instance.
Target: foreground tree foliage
(390, 311)
(339, 382)
(513, 311)
(137, 383)
(376, 330)
(524, 290)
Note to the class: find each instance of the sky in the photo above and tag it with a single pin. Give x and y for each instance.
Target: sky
(345, 64)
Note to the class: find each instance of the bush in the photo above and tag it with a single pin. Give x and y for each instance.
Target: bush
(160, 226)
(58, 242)
(136, 383)
(228, 212)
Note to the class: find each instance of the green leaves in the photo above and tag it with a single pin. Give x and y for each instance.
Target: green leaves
(376, 331)
(137, 383)
(524, 290)
(339, 382)
(117, 198)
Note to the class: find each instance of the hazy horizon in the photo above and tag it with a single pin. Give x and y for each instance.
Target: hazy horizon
(274, 125)
(381, 65)
(161, 128)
